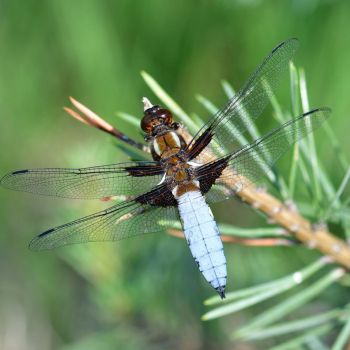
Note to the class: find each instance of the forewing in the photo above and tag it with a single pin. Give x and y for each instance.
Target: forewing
(127, 219)
(248, 165)
(224, 131)
(127, 179)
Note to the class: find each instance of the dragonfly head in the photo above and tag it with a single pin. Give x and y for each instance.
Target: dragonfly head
(155, 118)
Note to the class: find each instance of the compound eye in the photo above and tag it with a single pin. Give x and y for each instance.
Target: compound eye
(149, 117)
(165, 115)
(155, 116)
(147, 123)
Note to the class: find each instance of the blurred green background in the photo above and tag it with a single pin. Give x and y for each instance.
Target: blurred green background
(145, 293)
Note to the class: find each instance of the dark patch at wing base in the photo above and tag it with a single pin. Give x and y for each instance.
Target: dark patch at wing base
(199, 144)
(207, 174)
(160, 196)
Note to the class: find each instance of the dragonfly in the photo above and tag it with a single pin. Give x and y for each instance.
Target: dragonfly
(184, 176)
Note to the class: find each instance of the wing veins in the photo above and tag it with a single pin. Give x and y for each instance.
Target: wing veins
(249, 102)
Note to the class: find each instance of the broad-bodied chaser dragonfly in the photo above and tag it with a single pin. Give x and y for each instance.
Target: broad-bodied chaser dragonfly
(184, 176)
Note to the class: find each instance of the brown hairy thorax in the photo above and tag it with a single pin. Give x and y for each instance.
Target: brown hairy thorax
(178, 169)
(166, 144)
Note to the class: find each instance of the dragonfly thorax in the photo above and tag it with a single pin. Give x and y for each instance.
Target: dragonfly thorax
(178, 169)
(166, 145)
(161, 131)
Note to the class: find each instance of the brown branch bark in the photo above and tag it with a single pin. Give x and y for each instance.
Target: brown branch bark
(254, 242)
(299, 227)
(90, 118)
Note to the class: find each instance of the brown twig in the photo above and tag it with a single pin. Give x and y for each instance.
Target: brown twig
(88, 117)
(277, 212)
(299, 227)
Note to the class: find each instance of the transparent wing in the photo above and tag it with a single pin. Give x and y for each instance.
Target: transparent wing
(219, 191)
(248, 165)
(127, 219)
(229, 124)
(130, 178)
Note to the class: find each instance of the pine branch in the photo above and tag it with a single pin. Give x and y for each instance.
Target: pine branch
(294, 225)
(312, 236)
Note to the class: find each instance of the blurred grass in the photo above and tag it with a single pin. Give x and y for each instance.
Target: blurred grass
(147, 290)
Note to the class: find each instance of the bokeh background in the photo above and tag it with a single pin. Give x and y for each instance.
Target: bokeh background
(144, 293)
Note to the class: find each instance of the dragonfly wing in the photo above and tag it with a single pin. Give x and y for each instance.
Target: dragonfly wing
(124, 220)
(248, 165)
(127, 179)
(224, 131)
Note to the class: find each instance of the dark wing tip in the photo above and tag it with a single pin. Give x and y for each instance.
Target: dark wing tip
(3, 180)
(293, 41)
(46, 233)
(322, 113)
(320, 109)
(20, 172)
(34, 244)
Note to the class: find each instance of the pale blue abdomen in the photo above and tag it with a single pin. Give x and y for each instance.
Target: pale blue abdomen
(203, 238)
